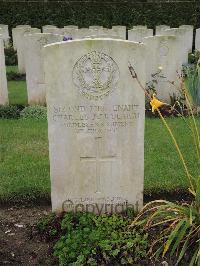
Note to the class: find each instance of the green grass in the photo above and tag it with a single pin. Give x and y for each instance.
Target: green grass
(12, 69)
(17, 92)
(163, 169)
(24, 164)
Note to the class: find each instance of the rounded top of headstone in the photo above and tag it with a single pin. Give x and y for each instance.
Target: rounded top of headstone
(23, 26)
(71, 27)
(95, 27)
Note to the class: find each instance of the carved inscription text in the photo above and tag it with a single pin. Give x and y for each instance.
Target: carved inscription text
(95, 118)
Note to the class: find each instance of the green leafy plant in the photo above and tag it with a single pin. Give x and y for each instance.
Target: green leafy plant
(49, 227)
(192, 82)
(10, 57)
(94, 240)
(15, 76)
(193, 58)
(10, 111)
(36, 112)
(177, 226)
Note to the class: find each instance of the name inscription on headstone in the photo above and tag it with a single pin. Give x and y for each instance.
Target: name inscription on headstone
(94, 118)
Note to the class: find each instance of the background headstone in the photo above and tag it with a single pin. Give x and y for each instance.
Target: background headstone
(82, 33)
(20, 43)
(197, 40)
(190, 30)
(95, 124)
(138, 35)
(163, 51)
(34, 62)
(71, 27)
(70, 31)
(140, 27)
(119, 31)
(48, 27)
(95, 27)
(3, 80)
(15, 32)
(161, 28)
(54, 30)
(5, 33)
(181, 35)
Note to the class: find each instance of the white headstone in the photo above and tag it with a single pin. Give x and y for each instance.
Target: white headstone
(70, 31)
(138, 35)
(197, 40)
(119, 31)
(181, 35)
(5, 33)
(95, 124)
(161, 28)
(190, 30)
(15, 32)
(71, 27)
(48, 27)
(82, 33)
(23, 26)
(54, 30)
(140, 27)
(20, 43)
(163, 51)
(3, 80)
(97, 27)
(103, 33)
(34, 44)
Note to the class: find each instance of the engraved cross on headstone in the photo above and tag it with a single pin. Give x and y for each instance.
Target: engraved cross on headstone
(98, 159)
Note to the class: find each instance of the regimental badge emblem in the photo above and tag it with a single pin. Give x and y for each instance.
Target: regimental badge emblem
(95, 75)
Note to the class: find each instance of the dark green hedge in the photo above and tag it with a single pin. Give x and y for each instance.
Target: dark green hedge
(88, 13)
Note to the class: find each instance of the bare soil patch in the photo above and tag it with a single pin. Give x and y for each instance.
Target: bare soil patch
(18, 243)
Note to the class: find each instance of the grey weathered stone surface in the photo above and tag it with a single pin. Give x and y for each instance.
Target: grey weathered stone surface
(5, 33)
(70, 31)
(53, 30)
(140, 27)
(3, 80)
(95, 27)
(71, 27)
(120, 31)
(45, 27)
(82, 33)
(138, 35)
(15, 33)
(182, 37)
(197, 40)
(161, 28)
(34, 62)
(189, 34)
(164, 52)
(20, 43)
(95, 124)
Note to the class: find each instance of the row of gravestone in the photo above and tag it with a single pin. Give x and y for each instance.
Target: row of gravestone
(169, 50)
(137, 33)
(96, 114)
